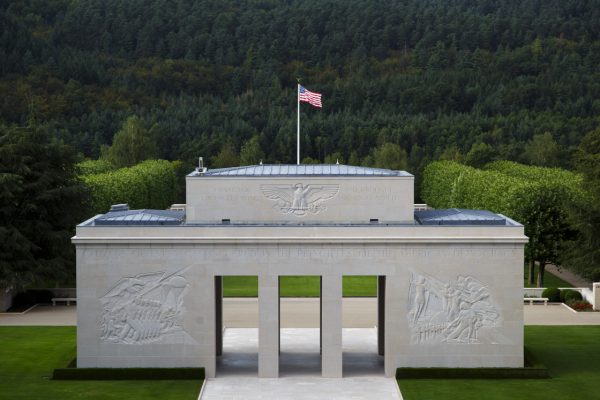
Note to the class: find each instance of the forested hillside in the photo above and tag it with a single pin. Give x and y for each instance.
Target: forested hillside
(443, 79)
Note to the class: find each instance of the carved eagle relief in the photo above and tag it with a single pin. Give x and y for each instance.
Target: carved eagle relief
(299, 199)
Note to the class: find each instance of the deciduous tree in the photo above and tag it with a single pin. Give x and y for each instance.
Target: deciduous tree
(41, 201)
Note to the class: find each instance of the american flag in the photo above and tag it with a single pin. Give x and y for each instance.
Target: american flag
(310, 97)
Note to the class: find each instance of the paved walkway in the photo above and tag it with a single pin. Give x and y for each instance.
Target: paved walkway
(300, 312)
(558, 314)
(61, 315)
(300, 368)
(568, 276)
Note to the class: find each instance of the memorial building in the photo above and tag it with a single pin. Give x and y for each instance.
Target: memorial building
(149, 282)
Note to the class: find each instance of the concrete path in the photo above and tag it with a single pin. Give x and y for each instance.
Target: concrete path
(61, 315)
(300, 312)
(300, 368)
(298, 388)
(568, 276)
(558, 314)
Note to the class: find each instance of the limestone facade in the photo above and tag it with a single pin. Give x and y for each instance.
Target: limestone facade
(147, 296)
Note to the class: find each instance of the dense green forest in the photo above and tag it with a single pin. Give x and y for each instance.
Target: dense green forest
(404, 83)
(463, 80)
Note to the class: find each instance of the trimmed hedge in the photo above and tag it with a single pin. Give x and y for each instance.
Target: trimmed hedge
(553, 294)
(150, 184)
(568, 295)
(101, 374)
(572, 181)
(472, 373)
(92, 167)
(533, 370)
(539, 204)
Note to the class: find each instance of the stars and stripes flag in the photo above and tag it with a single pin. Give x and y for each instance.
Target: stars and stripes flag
(307, 96)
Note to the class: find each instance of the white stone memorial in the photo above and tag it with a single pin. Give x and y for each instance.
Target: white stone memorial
(149, 281)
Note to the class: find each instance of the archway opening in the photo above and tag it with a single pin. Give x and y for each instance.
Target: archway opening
(236, 313)
(300, 325)
(363, 323)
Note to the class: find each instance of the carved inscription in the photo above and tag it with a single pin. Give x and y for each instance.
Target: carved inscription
(451, 312)
(144, 309)
(299, 199)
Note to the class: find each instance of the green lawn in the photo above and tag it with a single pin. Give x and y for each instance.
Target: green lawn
(299, 286)
(571, 354)
(550, 280)
(28, 355)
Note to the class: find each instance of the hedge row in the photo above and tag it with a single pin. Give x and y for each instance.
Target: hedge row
(91, 167)
(533, 370)
(150, 184)
(128, 374)
(472, 373)
(449, 184)
(571, 181)
(530, 197)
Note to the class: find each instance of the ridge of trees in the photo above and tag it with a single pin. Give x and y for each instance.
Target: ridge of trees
(514, 80)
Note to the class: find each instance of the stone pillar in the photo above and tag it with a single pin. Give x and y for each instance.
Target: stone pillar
(320, 315)
(268, 326)
(596, 295)
(331, 328)
(381, 315)
(219, 315)
(396, 323)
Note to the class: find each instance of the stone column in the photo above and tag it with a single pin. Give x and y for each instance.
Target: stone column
(331, 328)
(596, 295)
(396, 324)
(219, 315)
(268, 326)
(381, 315)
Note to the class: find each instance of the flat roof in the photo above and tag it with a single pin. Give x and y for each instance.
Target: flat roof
(141, 217)
(145, 217)
(301, 170)
(458, 216)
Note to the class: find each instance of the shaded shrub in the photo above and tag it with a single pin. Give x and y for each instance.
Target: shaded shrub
(569, 295)
(31, 297)
(552, 293)
(91, 167)
(150, 184)
(128, 373)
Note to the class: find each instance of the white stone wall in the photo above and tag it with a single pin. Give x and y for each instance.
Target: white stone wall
(101, 269)
(326, 199)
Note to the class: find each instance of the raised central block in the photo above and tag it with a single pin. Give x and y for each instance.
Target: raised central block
(300, 193)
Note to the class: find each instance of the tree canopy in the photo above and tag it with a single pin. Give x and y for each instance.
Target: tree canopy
(584, 254)
(40, 202)
(440, 79)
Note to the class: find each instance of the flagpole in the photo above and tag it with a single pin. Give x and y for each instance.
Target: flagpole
(298, 131)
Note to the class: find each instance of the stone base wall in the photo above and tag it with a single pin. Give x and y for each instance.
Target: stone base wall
(446, 305)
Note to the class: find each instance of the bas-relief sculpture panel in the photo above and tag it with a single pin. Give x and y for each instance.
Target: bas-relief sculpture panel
(460, 310)
(146, 308)
(299, 199)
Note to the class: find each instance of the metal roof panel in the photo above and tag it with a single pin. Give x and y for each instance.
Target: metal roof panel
(300, 170)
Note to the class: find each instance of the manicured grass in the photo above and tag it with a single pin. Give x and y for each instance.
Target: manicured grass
(571, 354)
(550, 280)
(28, 355)
(299, 286)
